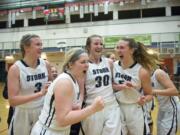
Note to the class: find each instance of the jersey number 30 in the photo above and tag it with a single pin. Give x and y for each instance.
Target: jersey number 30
(102, 80)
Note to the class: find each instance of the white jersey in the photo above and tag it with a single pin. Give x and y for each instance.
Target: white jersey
(168, 114)
(165, 102)
(99, 81)
(48, 114)
(130, 74)
(32, 80)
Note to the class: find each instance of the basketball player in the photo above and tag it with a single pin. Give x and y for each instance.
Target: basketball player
(58, 114)
(27, 85)
(99, 83)
(168, 113)
(131, 75)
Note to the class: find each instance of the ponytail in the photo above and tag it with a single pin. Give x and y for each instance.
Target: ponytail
(141, 55)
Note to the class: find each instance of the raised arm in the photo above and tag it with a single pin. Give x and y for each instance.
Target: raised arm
(64, 101)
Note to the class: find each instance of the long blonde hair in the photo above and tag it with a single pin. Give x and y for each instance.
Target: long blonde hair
(159, 61)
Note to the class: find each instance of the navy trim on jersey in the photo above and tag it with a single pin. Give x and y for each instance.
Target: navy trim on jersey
(174, 116)
(51, 117)
(145, 130)
(26, 65)
(133, 65)
(129, 66)
(43, 131)
(51, 102)
(119, 63)
(81, 128)
(176, 113)
(70, 76)
(93, 62)
(153, 73)
(12, 128)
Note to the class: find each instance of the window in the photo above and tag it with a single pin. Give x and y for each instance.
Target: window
(76, 18)
(129, 14)
(37, 21)
(153, 12)
(102, 17)
(175, 10)
(3, 24)
(18, 23)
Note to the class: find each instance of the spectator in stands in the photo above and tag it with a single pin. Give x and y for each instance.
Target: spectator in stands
(112, 56)
(54, 72)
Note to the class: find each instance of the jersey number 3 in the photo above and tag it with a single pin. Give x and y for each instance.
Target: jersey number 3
(102, 80)
(38, 87)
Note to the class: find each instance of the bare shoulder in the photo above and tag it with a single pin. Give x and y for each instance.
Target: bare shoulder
(64, 81)
(64, 85)
(144, 73)
(161, 74)
(14, 69)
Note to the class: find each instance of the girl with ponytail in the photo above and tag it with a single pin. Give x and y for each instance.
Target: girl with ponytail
(131, 76)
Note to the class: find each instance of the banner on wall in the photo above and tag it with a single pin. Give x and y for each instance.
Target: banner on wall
(111, 41)
(54, 14)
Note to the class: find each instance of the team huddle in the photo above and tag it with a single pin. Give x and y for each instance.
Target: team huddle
(106, 97)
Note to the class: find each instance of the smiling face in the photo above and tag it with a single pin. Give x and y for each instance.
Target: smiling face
(95, 46)
(54, 72)
(123, 50)
(35, 48)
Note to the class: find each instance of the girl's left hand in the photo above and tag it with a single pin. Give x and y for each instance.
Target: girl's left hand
(142, 100)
